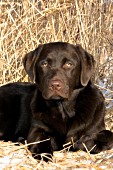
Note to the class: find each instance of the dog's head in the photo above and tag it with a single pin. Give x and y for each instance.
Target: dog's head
(58, 68)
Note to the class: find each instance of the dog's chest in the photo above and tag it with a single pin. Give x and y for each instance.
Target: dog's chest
(57, 124)
(53, 119)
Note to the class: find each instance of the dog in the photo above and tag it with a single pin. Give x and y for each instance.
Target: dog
(62, 106)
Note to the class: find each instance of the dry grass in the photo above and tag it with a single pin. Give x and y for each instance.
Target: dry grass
(26, 23)
(19, 158)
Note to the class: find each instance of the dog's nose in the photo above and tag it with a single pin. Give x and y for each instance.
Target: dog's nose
(55, 85)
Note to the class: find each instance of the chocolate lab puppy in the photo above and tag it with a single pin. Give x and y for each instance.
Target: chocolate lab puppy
(63, 106)
(66, 106)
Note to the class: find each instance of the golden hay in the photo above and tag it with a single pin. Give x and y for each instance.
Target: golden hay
(19, 158)
(27, 23)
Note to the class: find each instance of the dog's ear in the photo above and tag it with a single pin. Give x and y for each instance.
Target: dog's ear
(29, 61)
(87, 65)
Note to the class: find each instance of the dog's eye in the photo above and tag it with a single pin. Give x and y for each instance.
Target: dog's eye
(44, 64)
(67, 65)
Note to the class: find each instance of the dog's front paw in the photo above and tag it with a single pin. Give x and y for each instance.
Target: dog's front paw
(85, 143)
(42, 151)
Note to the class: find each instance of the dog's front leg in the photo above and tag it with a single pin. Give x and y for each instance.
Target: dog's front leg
(40, 144)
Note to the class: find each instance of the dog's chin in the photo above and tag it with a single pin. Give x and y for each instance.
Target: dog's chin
(55, 97)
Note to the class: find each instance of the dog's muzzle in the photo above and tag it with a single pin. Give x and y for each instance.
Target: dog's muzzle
(56, 90)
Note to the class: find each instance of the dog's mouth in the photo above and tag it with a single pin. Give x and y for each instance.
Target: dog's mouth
(55, 95)
(49, 94)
